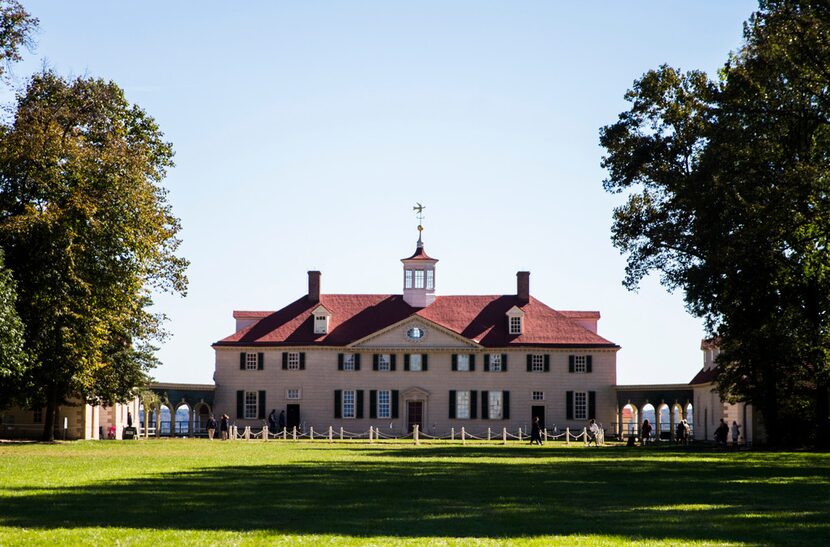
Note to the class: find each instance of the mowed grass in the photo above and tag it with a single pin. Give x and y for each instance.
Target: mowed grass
(200, 492)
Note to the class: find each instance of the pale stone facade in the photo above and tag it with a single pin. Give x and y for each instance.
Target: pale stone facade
(82, 421)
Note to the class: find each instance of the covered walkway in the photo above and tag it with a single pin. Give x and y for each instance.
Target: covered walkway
(635, 400)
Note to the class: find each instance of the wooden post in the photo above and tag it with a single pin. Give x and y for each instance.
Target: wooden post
(585, 436)
(567, 436)
(341, 433)
(331, 433)
(294, 433)
(265, 433)
(415, 434)
(463, 435)
(546, 434)
(503, 435)
(488, 433)
(311, 433)
(247, 433)
(284, 433)
(371, 431)
(452, 433)
(520, 434)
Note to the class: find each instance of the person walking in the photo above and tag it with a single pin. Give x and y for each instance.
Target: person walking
(593, 432)
(211, 427)
(223, 427)
(646, 431)
(721, 433)
(272, 421)
(736, 433)
(536, 432)
(281, 422)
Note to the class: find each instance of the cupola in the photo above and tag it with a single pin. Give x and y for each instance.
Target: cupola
(419, 272)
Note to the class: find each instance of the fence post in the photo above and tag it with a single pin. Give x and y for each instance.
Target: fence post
(341, 432)
(294, 433)
(463, 435)
(585, 436)
(567, 436)
(415, 434)
(452, 433)
(520, 434)
(247, 433)
(488, 433)
(371, 432)
(331, 432)
(546, 434)
(284, 433)
(265, 433)
(503, 435)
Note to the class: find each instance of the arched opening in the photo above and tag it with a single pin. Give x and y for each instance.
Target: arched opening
(630, 421)
(690, 412)
(202, 413)
(182, 420)
(663, 428)
(164, 422)
(648, 413)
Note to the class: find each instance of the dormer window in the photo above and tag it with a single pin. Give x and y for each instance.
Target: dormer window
(515, 320)
(321, 320)
(515, 325)
(408, 279)
(419, 279)
(430, 279)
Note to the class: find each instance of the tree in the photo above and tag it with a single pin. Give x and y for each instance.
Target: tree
(16, 29)
(12, 359)
(727, 187)
(88, 234)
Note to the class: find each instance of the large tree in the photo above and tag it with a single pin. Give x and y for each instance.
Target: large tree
(88, 234)
(727, 185)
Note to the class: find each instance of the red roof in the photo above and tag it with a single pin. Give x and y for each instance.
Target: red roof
(481, 319)
(705, 376)
(420, 254)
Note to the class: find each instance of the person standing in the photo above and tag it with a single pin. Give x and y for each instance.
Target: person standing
(129, 419)
(536, 432)
(721, 433)
(211, 427)
(281, 422)
(593, 432)
(736, 433)
(223, 427)
(272, 421)
(646, 430)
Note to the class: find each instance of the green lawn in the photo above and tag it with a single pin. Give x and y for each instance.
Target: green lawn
(196, 491)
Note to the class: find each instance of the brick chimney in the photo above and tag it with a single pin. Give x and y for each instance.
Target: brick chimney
(314, 286)
(523, 287)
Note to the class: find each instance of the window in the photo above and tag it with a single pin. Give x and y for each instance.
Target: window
(430, 279)
(580, 363)
(494, 403)
(294, 360)
(463, 362)
(320, 324)
(580, 405)
(250, 361)
(495, 362)
(407, 279)
(384, 406)
(515, 325)
(537, 363)
(415, 333)
(348, 361)
(419, 279)
(37, 416)
(293, 393)
(415, 362)
(384, 362)
(348, 403)
(462, 404)
(250, 405)
(538, 396)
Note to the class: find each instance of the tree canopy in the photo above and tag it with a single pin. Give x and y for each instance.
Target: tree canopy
(727, 187)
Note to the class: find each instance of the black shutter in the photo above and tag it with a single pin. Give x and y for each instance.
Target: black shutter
(262, 404)
(242, 361)
(357, 361)
(359, 404)
(240, 404)
(338, 403)
(260, 361)
(569, 405)
(375, 361)
(424, 362)
(570, 363)
(392, 361)
(505, 405)
(529, 362)
(473, 405)
(472, 362)
(339, 361)
(485, 408)
(395, 404)
(592, 404)
(547, 363)
(589, 363)
(504, 362)
(452, 404)
(486, 362)
(406, 361)
(285, 360)
(454, 362)
(302, 361)
(373, 402)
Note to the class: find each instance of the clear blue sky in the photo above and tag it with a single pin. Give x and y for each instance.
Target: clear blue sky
(305, 131)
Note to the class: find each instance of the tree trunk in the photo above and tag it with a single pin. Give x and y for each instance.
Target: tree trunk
(51, 411)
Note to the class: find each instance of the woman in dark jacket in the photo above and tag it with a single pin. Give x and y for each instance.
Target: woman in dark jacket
(223, 427)
(536, 432)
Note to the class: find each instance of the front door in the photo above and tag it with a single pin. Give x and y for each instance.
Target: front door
(415, 414)
(538, 411)
(292, 417)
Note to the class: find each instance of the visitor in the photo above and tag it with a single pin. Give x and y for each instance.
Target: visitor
(281, 421)
(593, 432)
(272, 421)
(736, 433)
(223, 427)
(129, 419)
(536, 432)
(211, 427)
(721, 433)
(680, 432)
(646, 431)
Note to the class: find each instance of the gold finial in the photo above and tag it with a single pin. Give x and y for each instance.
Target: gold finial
(420, 216)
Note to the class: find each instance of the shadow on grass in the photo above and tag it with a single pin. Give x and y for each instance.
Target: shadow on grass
(566, 493)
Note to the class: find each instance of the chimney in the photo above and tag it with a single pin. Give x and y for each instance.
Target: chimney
(314, 286)
(523, 287)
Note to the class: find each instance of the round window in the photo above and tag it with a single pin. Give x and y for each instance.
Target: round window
(415, 333)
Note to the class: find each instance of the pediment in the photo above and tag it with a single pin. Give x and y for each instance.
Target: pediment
(415, 393)
(396, 337)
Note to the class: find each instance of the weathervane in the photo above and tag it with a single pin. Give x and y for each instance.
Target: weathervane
(420, 216)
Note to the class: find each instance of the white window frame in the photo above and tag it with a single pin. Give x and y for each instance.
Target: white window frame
(581, 364)
(495, 405)
(462, 405)
(349, 404)
(537, 395)
(294, 360)
(321, 324)
(384, 362)
(384, 403)
(515, 325)
(294, 393)
(495, 362)
(462, 362)
(580, 405)
(251, 361)
(407, 276)
(537, 362)
(250, 406)
(416, 358)
(430, 279)
(419, 279)
(348, 361)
